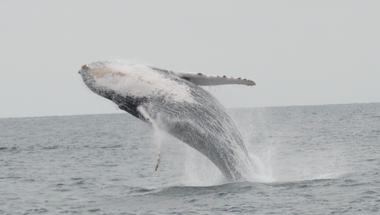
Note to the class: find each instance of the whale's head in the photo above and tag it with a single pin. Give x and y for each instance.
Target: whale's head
(107, 78)
(115, 77)
(96, 77)
(101, 75)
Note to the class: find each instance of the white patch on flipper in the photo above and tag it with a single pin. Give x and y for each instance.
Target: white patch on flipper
(138, 80)
(209, 80)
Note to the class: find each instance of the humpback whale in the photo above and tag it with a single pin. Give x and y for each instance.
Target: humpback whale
(175, 103)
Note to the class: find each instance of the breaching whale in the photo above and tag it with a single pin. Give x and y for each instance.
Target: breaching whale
(173, 102)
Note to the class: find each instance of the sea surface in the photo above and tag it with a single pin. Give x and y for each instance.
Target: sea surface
(308, 160)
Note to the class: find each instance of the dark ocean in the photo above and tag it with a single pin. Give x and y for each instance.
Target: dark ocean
(308, 160)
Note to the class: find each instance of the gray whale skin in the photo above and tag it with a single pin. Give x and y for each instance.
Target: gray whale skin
(174, 102)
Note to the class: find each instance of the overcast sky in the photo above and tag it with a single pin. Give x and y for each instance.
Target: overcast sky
(297, 52)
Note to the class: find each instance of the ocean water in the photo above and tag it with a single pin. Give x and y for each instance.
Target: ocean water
(308, 160)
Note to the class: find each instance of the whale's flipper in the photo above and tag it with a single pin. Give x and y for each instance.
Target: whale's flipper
(148, 119)
(209, 80)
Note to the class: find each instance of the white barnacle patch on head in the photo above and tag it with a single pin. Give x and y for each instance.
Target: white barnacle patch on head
(137, 80)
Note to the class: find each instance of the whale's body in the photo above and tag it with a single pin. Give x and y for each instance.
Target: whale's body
(174, 103)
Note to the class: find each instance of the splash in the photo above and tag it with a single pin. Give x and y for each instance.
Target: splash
(200, 171)
(262, 168)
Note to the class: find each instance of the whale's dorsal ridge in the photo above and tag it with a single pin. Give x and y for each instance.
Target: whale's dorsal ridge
(209, 80)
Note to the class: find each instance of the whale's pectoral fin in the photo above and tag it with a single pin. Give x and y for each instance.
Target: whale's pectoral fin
(144, 114)
(158, 161)
(149, 119)
(209, 80)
